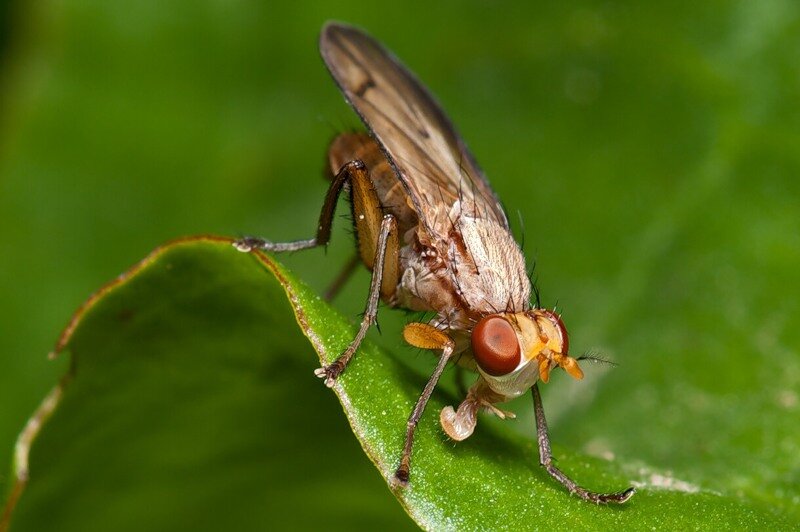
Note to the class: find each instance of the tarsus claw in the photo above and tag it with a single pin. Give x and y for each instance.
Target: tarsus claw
(329, 373)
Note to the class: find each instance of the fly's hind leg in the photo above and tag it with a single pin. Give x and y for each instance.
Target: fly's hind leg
(546, 460)
(338, 283)
(386, 245)
(350, 172)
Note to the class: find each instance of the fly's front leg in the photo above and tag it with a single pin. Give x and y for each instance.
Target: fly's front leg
(352, 171)
(386, 245)
(546, 460)
(424, 336)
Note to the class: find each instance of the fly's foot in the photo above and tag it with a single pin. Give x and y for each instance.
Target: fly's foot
(619, 498)
(400, 478)
(330, 373)
(250, 243)
(401, 474)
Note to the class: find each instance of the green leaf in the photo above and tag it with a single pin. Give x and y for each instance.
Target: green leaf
(191, 403)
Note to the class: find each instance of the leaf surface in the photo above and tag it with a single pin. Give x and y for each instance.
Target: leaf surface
(176, 414)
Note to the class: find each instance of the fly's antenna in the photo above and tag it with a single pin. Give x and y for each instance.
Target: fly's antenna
(591, 357)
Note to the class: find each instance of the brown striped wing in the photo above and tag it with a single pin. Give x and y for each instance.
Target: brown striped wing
(419, 141)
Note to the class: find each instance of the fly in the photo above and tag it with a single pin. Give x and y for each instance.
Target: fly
(436, 239)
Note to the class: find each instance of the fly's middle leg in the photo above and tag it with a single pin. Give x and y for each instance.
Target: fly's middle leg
(386, 245)
(378, 248)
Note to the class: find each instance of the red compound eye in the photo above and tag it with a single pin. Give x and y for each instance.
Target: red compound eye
(495, 346)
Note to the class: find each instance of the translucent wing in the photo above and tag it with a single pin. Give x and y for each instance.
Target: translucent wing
(419, 141)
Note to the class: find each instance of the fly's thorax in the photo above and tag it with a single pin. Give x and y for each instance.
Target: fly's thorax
(513, 350)
(486, 264)
(462, 265)
(425, 283)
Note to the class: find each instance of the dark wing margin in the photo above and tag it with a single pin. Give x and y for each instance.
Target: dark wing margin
(427, 154)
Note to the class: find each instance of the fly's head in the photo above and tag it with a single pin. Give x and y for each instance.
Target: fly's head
(512, 350)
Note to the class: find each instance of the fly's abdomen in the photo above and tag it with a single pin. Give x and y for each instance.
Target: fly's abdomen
(394, 200)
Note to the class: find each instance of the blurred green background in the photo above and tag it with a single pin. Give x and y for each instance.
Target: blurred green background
(651, 151)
